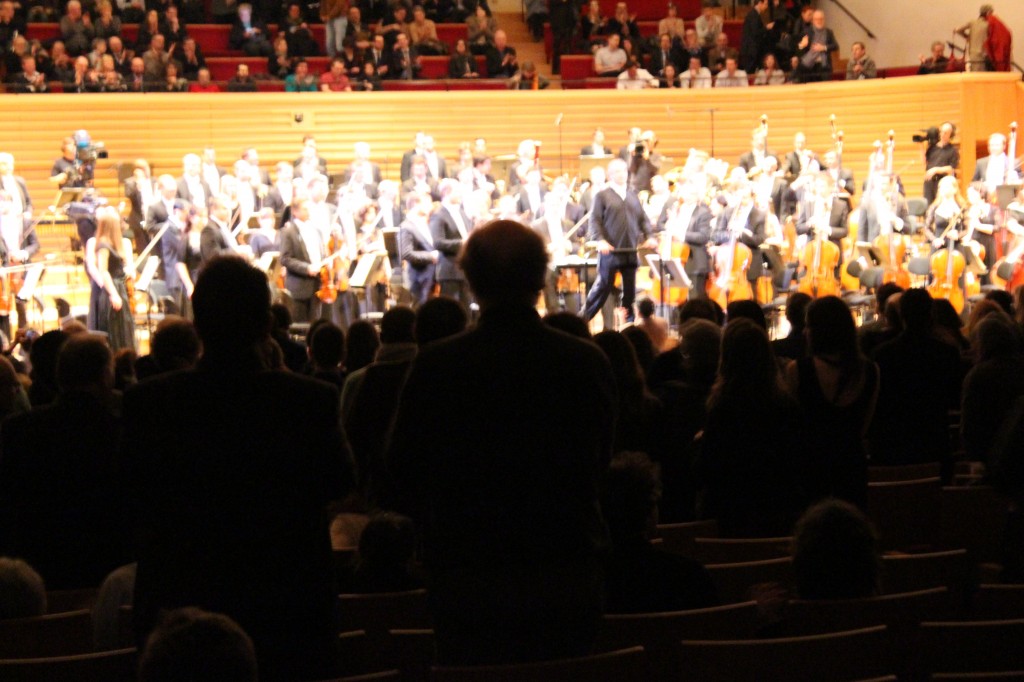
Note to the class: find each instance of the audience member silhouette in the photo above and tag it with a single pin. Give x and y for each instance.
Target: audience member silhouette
(835, 553)
(22, 590)
(192, 644)
(512, 530)
(387, 556)
(230, 467)
(641, 578)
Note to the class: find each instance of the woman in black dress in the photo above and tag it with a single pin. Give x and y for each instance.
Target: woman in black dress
(837, 388)
(114, 305)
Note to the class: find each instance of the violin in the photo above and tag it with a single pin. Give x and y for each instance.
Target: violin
(328, 291)
(947, 267)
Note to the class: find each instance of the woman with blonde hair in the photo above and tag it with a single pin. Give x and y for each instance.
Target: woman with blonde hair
(112, 256)
(945, 218)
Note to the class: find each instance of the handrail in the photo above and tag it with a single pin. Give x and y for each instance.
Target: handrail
(855, 19)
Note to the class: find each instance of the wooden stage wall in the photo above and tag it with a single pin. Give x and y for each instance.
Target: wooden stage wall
(163, 127)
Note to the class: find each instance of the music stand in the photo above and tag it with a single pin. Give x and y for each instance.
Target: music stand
(670, 271)
(390, 235)
(1005, 195)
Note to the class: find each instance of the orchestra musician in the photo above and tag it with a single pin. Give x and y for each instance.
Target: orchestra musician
(553, 227)
(997, 168)
(743, 220)
(619, 226)
(800, 161)
(823, 209)
(416, 245)
(944, 214)
(980, 225)
(172, 249)
(139, 191)
(18, 243)
(113, 261)
(302, 250)
(449, 228)
(691, 219)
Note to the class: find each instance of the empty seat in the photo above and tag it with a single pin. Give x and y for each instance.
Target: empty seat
(912, 572)
(737, 550)
(973, 518)
(59, 634)
(971, 647)
(901, 612)
(678, 537)
(906, 513)
(839, 656)
(108, 666)
(740, 582)
(904, 472)
(660, 633)
(623, 666)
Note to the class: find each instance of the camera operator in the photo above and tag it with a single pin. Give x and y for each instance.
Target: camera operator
(65, 169)
(644, 162)
(941, 158)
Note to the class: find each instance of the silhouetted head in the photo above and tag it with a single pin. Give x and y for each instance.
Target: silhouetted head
(231, 307)
(835, 553)
(192, 644)
(439, 318)
(505, 262)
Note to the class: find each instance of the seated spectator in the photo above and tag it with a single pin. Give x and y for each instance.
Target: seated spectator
(611, 59)
(835, 553)
(19, 48)
(502, 60)
(189, 56)
(28, 79)
(172, 82)
(721, 51)
(936, 62)
(334, 79)
(83, 79)
(327, 353)
(76, 30)
(624, 24)
(22, 591)
(480, 29)
(731, 76)
(301, 42)
(696, 76)
(242, 81)
(353, 58)
(302, 80)
(672, 24)
(528, 78)
(200, 646)
(381, 57)
(769, 73)
(281, 64)
(13, 399)
(147, 29)
(669, 79)
(173, 28)
(156, 58)
(387, 552)
(593, 26)
(368, 80)
(204, 83)
(99, 48)
(666, 53)
(110, 78)
(642, 578)
(462, 64)
(137, 79)
(709, 26)
(122, 56)
(405, 61)
(691, 47)
(423, 34)
(861, 66)
(11, 24)
(635, 78)
(249, 33)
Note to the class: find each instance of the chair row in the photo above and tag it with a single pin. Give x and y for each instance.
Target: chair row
(212, 39)
(649, 28)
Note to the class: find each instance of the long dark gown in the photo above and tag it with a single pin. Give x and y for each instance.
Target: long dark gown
(120, 325)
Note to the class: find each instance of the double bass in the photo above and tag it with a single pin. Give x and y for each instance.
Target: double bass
(819, 259)
(947, 266)
(893, 246)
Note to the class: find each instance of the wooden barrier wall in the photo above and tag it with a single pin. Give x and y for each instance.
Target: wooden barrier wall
(162, 128)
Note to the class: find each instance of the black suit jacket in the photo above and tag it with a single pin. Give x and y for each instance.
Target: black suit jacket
(839, 219)
(186, 194)
(981, 168)
(295, 259)
(658, 61)
(698, 234)
(623, 224)
(448, 241)
(747, 159)
(265, 455)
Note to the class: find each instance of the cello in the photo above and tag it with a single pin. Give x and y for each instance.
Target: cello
(947, 266)
(893, 246)
(732, 260)
(819, 260)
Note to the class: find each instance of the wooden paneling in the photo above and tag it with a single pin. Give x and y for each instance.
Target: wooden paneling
(163, 127)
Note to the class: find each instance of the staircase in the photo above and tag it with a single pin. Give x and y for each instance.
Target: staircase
(514, 25)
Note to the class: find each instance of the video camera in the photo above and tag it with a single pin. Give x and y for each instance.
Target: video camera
(86, 154)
